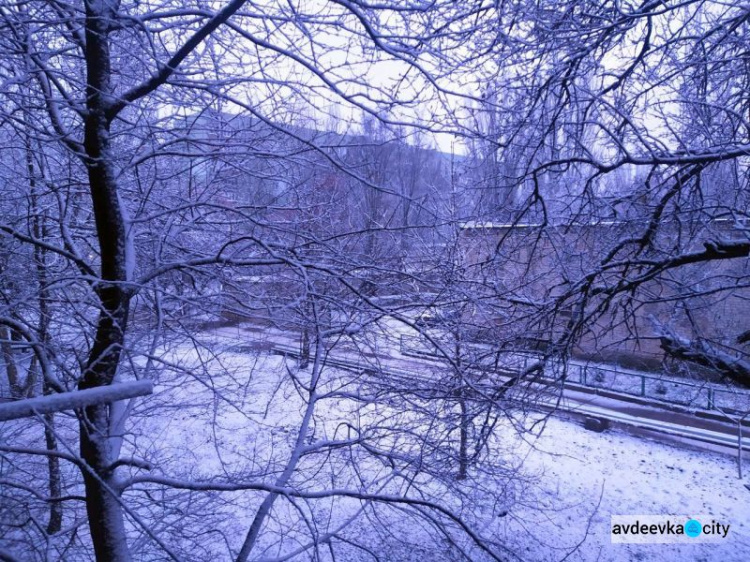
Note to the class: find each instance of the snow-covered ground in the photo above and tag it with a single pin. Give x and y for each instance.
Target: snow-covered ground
(626, 475)
(543, 497)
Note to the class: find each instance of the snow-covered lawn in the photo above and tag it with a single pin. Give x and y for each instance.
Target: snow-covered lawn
(626, 475)
(538, 496)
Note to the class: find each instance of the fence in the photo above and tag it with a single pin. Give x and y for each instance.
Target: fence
(700, 395)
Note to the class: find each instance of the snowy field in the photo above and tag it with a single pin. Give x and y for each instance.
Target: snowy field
(627, 475)
(222, 426)
(547, 497)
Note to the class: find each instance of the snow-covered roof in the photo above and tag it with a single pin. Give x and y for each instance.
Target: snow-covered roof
(469, 225)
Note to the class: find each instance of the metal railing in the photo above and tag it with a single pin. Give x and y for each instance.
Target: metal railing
(700, 395)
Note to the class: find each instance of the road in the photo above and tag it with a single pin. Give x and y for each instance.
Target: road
(596, 408)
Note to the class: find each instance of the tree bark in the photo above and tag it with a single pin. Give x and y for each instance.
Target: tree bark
(464, 421)
(11, 369)
(463, 452)
(98, 450)
(54, 524)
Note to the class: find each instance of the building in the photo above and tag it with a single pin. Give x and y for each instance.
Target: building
(601, 291)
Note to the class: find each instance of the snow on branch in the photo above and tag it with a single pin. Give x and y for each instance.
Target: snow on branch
(702, 353)
(74, 399)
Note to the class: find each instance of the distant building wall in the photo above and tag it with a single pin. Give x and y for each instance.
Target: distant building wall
(541, 272)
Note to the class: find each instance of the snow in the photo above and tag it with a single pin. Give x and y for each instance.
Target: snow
(628, 475)
(539, 496)
(70, 400)
(228, 413)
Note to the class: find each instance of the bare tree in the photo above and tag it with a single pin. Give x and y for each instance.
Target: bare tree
(621, 158)
(149, 229)
(171, 179)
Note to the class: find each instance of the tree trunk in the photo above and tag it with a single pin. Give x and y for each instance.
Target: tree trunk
(463, 429)
(53, 470)
(463, 450)
(297, 452)
(54, 525)
(98, 450)
(304, 358)
(11, 369)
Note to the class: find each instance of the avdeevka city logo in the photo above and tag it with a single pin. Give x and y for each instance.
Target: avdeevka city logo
(693, 528)
(667, 529)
